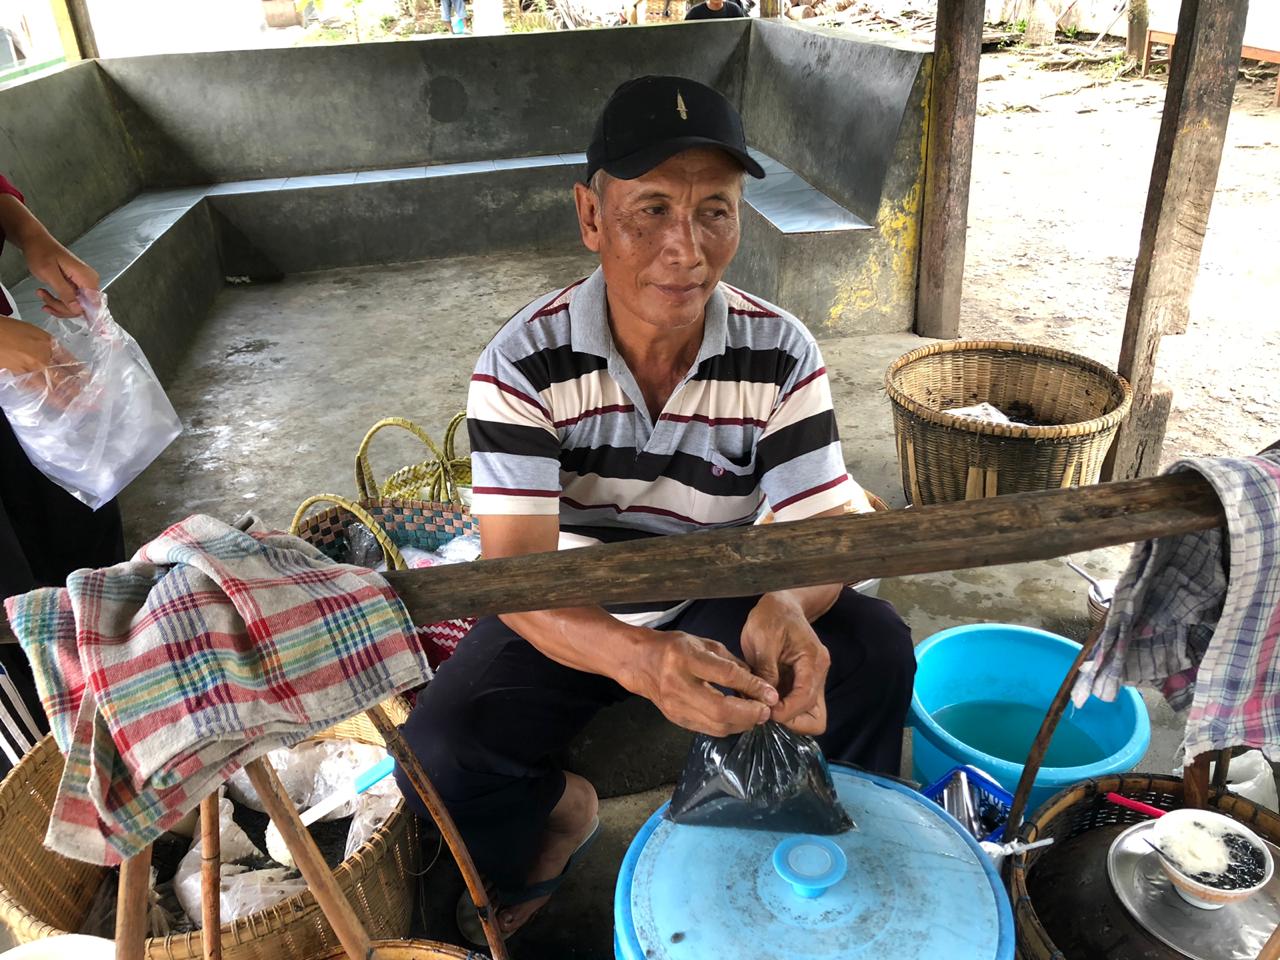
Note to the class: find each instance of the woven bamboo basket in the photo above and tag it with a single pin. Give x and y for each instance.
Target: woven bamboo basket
(414, 950)
(943, 457)
(1076, 812)
(43, 894)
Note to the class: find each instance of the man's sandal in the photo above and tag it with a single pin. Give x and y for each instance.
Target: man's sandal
(467, 914)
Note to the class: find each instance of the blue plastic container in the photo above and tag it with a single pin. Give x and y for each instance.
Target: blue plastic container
(907, 884)
(1017, 665)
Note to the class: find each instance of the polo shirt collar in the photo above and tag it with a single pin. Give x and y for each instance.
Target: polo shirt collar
(589, 321)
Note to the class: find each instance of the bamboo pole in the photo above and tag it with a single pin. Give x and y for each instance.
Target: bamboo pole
(210, 878)
(335, 906)
(412, 767)
(132, 907)
(1045, 735)
(748, 560)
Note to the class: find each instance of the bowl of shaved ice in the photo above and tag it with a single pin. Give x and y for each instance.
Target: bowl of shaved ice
(1211, 859)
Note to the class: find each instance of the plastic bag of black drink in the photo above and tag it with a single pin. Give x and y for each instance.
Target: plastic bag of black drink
(768, 778)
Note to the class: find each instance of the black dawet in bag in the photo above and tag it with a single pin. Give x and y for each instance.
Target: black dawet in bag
(767, 778)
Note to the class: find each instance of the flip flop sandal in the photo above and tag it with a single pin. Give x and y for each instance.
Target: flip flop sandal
(467, 915)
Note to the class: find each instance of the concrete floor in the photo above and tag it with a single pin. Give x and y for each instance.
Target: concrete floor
(283, 380)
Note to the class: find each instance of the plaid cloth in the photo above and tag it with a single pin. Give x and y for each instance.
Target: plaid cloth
(164, 675)
(1199, 615)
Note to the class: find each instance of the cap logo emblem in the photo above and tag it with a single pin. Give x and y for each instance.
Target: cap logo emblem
(680, 107)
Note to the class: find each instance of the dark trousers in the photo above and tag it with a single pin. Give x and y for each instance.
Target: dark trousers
(45, 533)
(488, 725)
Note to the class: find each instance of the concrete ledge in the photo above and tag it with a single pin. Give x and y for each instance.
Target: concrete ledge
(265, 228)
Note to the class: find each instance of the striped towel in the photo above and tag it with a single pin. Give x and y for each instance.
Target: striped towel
(1199, 616)
(164, 675)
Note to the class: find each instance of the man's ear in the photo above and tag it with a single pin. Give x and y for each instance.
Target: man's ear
(589, 224)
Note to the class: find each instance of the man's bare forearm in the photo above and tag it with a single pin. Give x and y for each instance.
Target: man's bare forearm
(586, 639)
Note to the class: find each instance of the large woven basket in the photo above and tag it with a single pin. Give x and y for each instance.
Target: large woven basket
(415, 950)
(43, 894)
(1073, 814)
(943, 457)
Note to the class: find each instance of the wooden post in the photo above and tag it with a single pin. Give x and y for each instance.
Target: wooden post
(82, 27)
(210, 878)
(1137, 33)
(953, 107)
(133, 904)
(1202, 80)
(1195, 783)
(336, 907)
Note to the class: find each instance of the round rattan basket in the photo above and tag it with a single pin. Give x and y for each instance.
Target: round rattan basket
(415, 950)
(43, 894)
(1075, 814)
(944, 457)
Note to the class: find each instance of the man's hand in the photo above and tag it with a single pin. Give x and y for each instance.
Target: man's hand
(781, 648)
(64, 272)
(677, 672)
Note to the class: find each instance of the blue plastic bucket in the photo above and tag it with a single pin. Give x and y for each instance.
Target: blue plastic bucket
(993, 664)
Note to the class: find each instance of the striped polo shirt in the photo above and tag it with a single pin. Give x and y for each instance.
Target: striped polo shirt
(559, 426)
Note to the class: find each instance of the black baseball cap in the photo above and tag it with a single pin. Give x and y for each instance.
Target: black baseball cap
(650, 119)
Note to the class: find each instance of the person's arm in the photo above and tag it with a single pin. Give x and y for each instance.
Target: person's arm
(674, 670)
(48, 260)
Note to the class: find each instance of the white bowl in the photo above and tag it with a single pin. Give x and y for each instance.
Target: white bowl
(1191, 890)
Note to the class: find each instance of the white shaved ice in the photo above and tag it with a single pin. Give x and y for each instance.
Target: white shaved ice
(1194, 841)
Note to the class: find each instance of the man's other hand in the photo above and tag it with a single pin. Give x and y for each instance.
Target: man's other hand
(680, 672)
(781, 648)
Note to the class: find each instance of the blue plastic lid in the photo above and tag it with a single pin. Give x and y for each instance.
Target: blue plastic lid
(812, 865)
(914, 885)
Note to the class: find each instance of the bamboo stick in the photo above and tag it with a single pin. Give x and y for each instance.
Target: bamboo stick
(133, 906)
(210, 878)
(335, 906)
(748, 560)
(1041, 743)
(408, 762)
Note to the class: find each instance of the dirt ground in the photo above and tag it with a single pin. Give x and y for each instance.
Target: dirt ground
(1062, 163)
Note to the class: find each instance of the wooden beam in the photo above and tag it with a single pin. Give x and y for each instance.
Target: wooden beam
(744, 561)
(953, 107)
(1202, 81)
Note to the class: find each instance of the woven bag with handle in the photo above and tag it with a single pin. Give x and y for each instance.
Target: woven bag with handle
(394, 523)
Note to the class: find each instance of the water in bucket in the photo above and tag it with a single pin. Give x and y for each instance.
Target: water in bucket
(1007, 730)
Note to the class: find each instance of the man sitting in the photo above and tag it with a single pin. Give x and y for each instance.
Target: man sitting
(715, 10)
(649, 399)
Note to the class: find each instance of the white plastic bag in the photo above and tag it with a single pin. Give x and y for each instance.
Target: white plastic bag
(242, 891)
(98, 416)
(375, 805)
(310, 772)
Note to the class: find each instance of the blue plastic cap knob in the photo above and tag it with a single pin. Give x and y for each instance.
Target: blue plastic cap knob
(811, 865)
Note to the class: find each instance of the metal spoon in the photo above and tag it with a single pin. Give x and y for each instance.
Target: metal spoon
(1102, 592)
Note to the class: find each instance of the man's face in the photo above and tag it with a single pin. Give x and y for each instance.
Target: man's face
(665, 238)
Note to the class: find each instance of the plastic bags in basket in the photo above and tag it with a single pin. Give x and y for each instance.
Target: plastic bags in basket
(768, 778)
(97, 417)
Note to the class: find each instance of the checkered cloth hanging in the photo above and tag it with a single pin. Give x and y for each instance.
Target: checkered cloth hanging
(163, 675)
(1199, 616)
